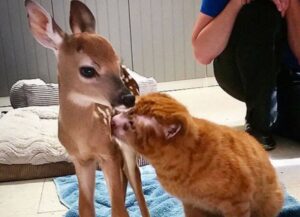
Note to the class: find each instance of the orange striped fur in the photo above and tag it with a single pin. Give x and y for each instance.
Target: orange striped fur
(213, 169)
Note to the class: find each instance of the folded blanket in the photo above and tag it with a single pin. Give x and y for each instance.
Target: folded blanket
(160, 203)
(29, 136)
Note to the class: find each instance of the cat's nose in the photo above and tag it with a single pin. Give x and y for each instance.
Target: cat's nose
(113, 124)
(128, 100)
(118, 121)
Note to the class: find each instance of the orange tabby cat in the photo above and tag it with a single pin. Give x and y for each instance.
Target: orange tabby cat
(214, 170)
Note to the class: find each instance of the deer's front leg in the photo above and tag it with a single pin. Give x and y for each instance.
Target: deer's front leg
(112, 169)
(133, 174)
(85, 172)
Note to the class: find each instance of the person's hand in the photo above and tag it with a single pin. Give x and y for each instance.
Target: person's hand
(239, 3)
(282, 6)
(242, 2)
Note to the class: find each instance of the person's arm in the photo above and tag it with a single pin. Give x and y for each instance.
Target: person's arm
(210, 35)
(293, 26)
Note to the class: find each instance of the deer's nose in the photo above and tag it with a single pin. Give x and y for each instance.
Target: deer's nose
(128, 100)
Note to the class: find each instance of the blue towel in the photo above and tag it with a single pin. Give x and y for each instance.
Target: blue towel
(160, 203)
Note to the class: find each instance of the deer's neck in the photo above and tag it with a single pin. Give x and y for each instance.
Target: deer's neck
(81, 129)
(73, 109)
(69, 107)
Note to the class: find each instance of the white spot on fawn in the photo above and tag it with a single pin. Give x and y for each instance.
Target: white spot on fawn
(79, 99)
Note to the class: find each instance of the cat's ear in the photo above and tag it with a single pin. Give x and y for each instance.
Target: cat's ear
(171, 130)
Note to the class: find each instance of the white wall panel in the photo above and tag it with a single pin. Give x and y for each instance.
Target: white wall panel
(161, 35)
(10, 68)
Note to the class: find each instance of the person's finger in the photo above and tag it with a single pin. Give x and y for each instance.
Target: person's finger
(282, 6)
(278, 5)
(285, 5)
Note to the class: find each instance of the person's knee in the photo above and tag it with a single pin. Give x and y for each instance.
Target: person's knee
(259, 22)
(260, 8)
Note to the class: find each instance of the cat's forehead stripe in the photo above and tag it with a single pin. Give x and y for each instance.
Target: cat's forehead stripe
(147, 120)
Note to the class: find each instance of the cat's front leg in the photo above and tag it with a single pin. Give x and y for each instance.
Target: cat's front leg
(237, 209)
(192, 211)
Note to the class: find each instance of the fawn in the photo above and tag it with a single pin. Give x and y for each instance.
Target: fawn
(89, 86)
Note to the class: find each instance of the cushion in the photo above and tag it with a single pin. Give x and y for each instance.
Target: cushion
(17, 93)
(146, 85)
(29, 136)
(41, 94)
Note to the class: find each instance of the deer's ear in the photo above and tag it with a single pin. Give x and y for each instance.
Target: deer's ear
(42, 26)
(81, 18)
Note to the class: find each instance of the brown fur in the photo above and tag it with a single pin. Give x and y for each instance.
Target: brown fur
(214, 170)
(91, 44)
(85, 101)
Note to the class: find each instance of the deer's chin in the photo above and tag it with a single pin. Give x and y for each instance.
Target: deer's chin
(103, 101)
(121, 108)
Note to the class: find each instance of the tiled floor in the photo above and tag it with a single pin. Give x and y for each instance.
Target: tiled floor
(38, 198)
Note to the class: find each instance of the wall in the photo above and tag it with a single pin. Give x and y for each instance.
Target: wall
(151, 36)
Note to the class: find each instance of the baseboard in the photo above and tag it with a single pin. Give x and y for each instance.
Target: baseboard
(187, 84)
(4, 102)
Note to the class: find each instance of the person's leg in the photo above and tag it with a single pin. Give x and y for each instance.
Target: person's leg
(294, 106)
(288, 122)
(259, 57)
(259, 49)
(248, 67)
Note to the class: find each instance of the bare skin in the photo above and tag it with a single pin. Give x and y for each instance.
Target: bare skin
(211, 35)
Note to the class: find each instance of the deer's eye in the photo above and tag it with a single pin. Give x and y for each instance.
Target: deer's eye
(87, 72)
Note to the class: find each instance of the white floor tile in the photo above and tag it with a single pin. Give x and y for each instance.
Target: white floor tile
(50, 214)
(294, 191)
(20, 198)
(49, 198)
(212, 103)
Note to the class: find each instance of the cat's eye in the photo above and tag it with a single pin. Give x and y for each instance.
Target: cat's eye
(87, 72)
(132, 124)
(130, 112)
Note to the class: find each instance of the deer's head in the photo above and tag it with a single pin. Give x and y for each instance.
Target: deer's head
(88, 66)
